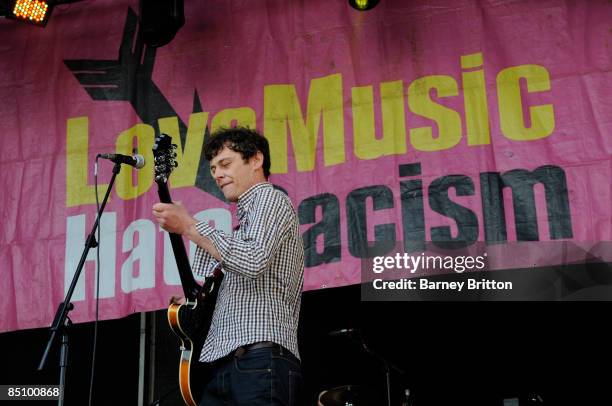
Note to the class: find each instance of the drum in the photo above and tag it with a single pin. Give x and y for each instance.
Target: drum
(347, 395)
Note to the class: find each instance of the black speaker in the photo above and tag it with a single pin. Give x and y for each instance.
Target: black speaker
(160, 20)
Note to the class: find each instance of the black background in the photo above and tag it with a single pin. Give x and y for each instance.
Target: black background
(468, 353)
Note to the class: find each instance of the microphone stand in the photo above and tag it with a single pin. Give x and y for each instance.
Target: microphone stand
(387, 366)
(61, 322)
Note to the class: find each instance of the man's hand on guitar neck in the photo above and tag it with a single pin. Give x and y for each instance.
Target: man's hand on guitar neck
(173, 217)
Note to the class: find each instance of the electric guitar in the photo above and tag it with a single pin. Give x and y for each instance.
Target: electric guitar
(190, 321)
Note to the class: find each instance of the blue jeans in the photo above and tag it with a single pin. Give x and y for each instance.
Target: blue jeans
(263, 376)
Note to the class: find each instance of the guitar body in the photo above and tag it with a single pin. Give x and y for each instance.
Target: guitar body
(190, 321)
(191, 372)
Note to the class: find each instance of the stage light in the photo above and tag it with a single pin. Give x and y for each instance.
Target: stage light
(160, 20)
(363, 5)
(35, 12)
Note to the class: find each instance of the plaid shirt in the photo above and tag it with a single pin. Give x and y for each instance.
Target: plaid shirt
(263, 262)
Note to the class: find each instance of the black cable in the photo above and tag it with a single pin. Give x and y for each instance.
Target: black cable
(170, 392)
(95, 340)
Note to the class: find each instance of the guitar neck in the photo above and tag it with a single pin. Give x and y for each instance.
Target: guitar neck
(190, 285)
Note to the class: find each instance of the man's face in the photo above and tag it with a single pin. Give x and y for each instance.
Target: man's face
(233, 175)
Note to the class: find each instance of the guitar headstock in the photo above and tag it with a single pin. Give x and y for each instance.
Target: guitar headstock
(164, 154)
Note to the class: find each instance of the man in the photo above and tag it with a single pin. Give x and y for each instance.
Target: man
(252, 342)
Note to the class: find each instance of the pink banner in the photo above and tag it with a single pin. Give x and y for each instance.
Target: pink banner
(444, 121)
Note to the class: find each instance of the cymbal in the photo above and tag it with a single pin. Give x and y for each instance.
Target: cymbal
(347, 395)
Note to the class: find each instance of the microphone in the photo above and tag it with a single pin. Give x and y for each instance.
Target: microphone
(343, 331)
(137, 161)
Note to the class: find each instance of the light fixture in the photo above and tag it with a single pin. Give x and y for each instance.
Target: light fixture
(363, 5)
(35, 12)
(160, 20)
